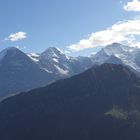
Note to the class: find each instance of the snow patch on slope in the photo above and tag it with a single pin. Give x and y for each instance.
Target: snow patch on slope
(61, 71)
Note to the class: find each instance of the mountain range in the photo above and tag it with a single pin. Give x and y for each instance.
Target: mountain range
(22, 72)
(55, 61)
(101, 103)
(19, 73)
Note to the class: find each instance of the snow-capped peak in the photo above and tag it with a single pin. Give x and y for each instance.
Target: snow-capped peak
(54, 60)
(116, 48)
(53, 53)
(127, 55)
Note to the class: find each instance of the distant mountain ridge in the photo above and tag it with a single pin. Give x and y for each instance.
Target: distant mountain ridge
(21, 72)
(55, 61)
(128, 56)
(113, 53)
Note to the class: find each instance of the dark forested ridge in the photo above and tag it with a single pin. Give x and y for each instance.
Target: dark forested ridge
(102, 103)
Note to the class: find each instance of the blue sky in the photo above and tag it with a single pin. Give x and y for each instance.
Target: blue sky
(58, 23)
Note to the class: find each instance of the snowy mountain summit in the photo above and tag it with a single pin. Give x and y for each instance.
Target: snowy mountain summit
(127, 55)
(54, 60)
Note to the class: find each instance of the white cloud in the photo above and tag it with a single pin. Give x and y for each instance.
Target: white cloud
(17, 36)
(132, 6)
(122, 32)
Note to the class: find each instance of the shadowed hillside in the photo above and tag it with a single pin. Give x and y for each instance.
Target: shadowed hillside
(102, 103)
